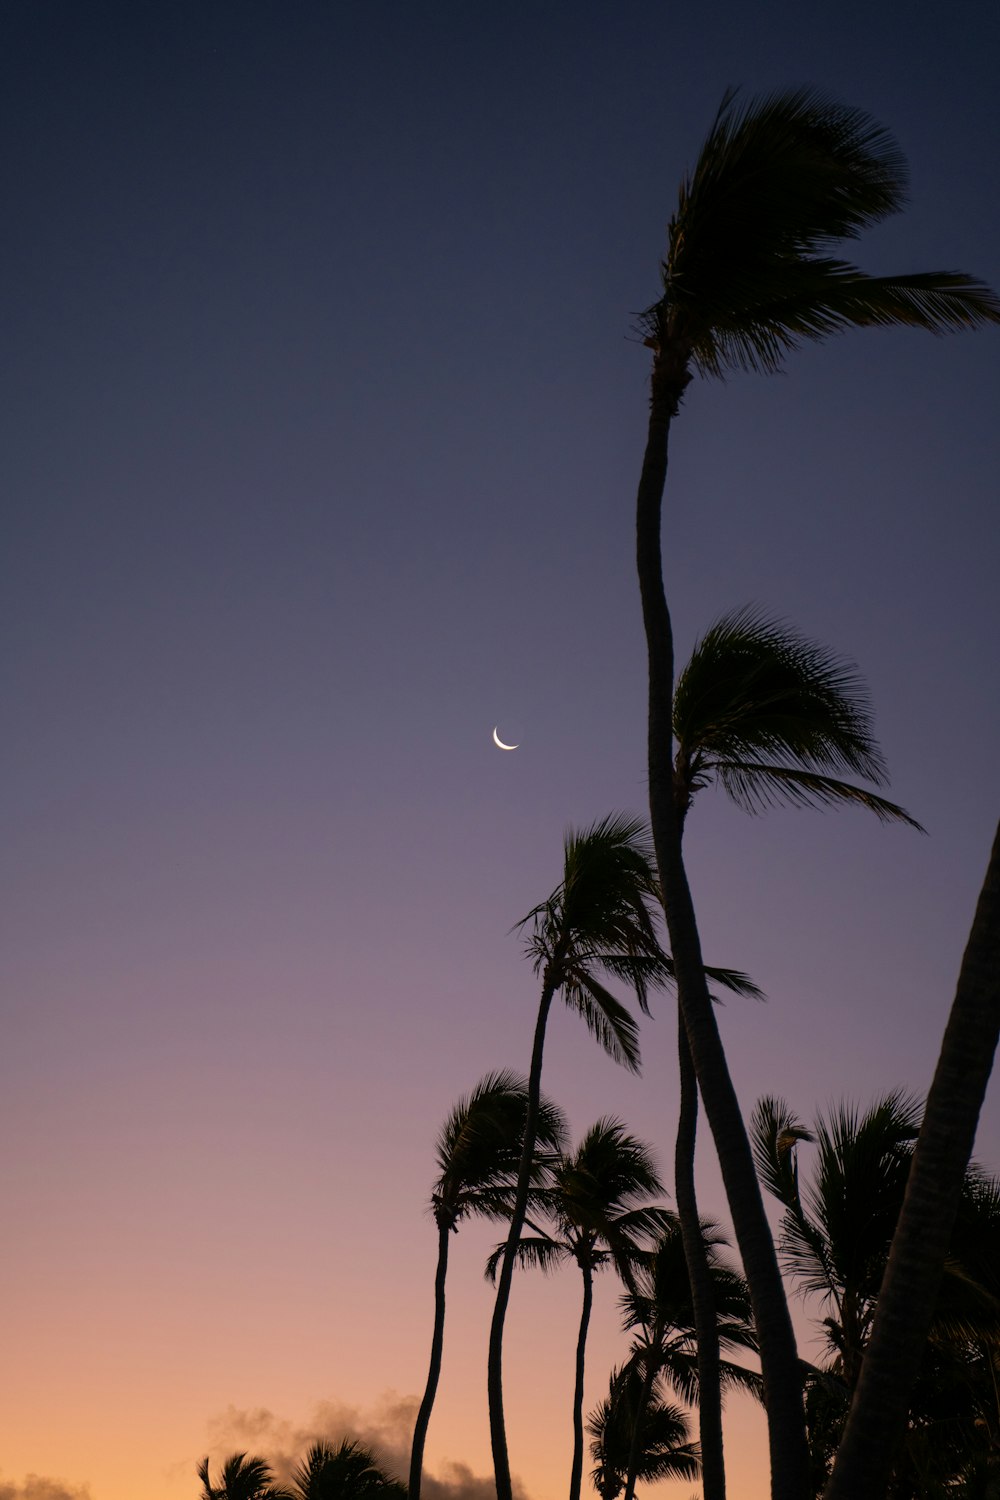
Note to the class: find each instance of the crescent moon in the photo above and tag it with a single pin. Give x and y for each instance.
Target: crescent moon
(499, 742)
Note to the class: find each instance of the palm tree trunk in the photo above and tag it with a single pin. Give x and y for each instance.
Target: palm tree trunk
(713, 1469)
(434, 1373)
(576, 1473)
(494, 1373)
(635, 1441)
(779, 1357)
(877, 1419)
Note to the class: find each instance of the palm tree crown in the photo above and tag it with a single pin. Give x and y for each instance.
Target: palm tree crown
(596, 1200)
(659, 1307)
(600, 919)
(479, 1148)
(243, 1478)
(771, 715)
(479, 1154)
(348, 1472)
(662, 1444)
(748, 275)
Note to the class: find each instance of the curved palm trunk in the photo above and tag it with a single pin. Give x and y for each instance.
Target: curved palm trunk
(576, 1473)
(877, 1418)
(713, 1468)
(494, 1372)
(779, 1357)
(434, 1372)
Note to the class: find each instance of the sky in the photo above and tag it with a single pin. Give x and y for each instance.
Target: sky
(325, 410)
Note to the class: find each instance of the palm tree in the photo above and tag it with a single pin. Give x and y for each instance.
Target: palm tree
(748, 277)
(243, 1478)
(599, 921)
(348, 1472)
(661, 1307)
(770, 716)
(478, 1156)
(628, 1421)
(933, 1192)
(597, 1202)
(836, 1234)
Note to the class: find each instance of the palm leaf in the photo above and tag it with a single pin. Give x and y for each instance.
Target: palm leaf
(608, 1021)
(756, 787)
(778, 182)
(776, 718)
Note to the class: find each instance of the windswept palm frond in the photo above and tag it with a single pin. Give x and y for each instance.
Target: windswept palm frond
(480, 1144)
(532, 1252)
(757, 787)
(775, 717)
(779, 181)
(607, 1020)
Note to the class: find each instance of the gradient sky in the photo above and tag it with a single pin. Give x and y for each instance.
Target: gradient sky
(324, 417)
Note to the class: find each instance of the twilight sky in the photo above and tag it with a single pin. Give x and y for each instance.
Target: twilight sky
(324, 416)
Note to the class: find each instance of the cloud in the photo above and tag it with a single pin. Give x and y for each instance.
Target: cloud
(36, 1487)
(387, 1429)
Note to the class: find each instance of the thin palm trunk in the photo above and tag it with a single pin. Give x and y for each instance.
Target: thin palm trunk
(779, 1357)
(877, 1418)
(494, 1373)
(713, 1469)
(635, 1441)
(576, 1473)
(434, 1372)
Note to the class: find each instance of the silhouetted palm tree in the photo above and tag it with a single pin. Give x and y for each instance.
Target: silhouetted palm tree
(627, 1423)
(599, 921)
(917, 1258)
(661, 1307)
(596, 1204)
(243, 1478)
(771, 717)
(478, 1156)
(748, 276)
(348, 1472)
(836, 1234)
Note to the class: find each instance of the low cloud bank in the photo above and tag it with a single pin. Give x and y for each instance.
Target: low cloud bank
(387, 1429)
(36, 1487)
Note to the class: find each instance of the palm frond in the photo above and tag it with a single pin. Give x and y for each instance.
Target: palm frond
(608, 1021)
(735, 981)
(775, 718)
(778, 182)
(537, 1251)
(756, 787)
(755, 685)
(480, 1144)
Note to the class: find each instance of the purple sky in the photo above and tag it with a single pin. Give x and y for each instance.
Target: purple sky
(324, 418)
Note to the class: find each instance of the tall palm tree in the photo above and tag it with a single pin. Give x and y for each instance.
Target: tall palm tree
(933, 1192)
(478, 1156)
(629, 1421)
(771, 717)
(598, 1214)
(660, 1307)
(348, 1472)
(243, 1478)
(599, 921)
(748, 276)
(836, 1233)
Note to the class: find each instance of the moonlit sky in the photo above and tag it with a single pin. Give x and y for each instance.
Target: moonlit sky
(324, 415)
